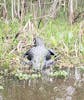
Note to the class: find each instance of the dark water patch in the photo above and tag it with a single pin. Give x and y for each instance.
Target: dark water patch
(70, 88)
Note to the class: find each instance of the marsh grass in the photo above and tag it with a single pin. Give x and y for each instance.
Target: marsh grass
(57, 34)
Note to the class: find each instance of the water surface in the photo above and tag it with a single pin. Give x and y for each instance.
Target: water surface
(71, 88)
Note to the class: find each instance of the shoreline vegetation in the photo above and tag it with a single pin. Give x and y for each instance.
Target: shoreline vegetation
(60, 24)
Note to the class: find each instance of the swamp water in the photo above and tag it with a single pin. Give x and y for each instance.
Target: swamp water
(71, 88)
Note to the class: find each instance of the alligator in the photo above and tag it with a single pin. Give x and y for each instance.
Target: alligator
(39, 56)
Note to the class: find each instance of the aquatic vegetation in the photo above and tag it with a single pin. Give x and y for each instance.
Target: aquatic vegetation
(24, 76)
(59, 74)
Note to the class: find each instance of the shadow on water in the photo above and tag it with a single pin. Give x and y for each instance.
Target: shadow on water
(57, 89)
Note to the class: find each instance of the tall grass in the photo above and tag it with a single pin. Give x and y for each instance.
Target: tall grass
(57, 34)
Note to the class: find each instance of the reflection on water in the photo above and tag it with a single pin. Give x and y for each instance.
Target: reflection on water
(58, 89)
